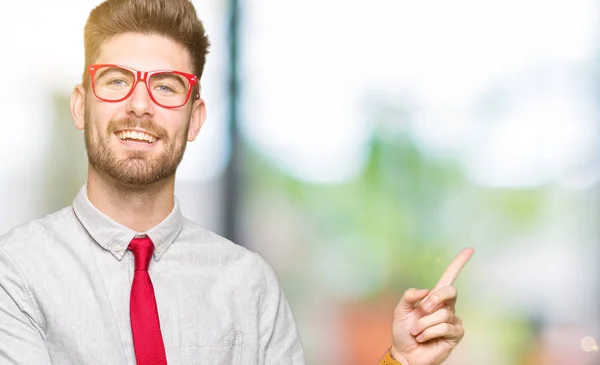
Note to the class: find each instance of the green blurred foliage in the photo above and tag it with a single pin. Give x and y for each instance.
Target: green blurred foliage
(400, 221)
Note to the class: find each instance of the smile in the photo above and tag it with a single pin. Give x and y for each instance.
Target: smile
(136, 136)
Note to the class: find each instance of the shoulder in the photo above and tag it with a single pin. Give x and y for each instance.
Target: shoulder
(217, 248)
(203, 238)
(34, 235)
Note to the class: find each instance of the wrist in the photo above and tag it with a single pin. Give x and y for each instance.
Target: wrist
(397, 356)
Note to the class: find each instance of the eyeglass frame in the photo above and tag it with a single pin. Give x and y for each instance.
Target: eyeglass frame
(143, 76)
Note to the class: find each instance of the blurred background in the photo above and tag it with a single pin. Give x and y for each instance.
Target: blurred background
(359, 146)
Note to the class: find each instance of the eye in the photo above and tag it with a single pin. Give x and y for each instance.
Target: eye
(117, 83)
(165, 89)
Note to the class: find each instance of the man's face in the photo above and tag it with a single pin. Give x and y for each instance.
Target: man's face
(109, 127)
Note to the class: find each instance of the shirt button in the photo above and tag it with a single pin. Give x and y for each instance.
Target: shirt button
(117, 248)
(159, 249)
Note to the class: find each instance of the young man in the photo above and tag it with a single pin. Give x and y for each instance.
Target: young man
(121, 277)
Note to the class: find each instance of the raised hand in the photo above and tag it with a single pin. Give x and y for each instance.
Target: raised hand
(426, 328)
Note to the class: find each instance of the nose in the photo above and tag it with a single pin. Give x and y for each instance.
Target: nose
(139, 101)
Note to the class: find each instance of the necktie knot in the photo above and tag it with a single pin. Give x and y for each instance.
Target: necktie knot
(142, 249)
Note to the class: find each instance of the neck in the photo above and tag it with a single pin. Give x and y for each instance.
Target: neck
(136, 207)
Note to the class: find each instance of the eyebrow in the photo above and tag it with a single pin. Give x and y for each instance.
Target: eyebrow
(164, 75)
(109, 69)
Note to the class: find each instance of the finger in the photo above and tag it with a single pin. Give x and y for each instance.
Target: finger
(443, 330)
(445, 295)
(408, 301)
(452, 271)
(442, 315)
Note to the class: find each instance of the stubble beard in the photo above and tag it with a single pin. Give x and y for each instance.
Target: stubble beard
(138, 168)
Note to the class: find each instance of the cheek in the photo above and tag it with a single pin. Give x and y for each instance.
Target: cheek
(100, 115)
(175, 124)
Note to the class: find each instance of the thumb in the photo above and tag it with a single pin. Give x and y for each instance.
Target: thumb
(408, 301)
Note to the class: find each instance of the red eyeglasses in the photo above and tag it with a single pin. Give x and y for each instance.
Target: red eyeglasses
(169, 89)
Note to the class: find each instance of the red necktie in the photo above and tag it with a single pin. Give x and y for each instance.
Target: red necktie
(145, 326)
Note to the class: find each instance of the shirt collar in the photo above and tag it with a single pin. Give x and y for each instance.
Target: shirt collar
(115, 237)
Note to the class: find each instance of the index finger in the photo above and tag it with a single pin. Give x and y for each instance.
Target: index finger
(452, 271)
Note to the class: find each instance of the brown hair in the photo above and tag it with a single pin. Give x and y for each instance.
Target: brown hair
(175, 19)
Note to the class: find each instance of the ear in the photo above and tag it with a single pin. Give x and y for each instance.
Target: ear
(197, 119)
(78, 106)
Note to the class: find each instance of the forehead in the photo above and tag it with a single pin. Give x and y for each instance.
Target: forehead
(145, 52)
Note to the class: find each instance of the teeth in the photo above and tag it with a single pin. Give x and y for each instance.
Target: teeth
(140, 136)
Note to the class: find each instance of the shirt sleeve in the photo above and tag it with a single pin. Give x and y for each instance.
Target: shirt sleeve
(21, 338)
(278, 335)
(389, 360)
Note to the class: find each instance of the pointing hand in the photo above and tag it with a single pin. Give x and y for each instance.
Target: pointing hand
(426, 328)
